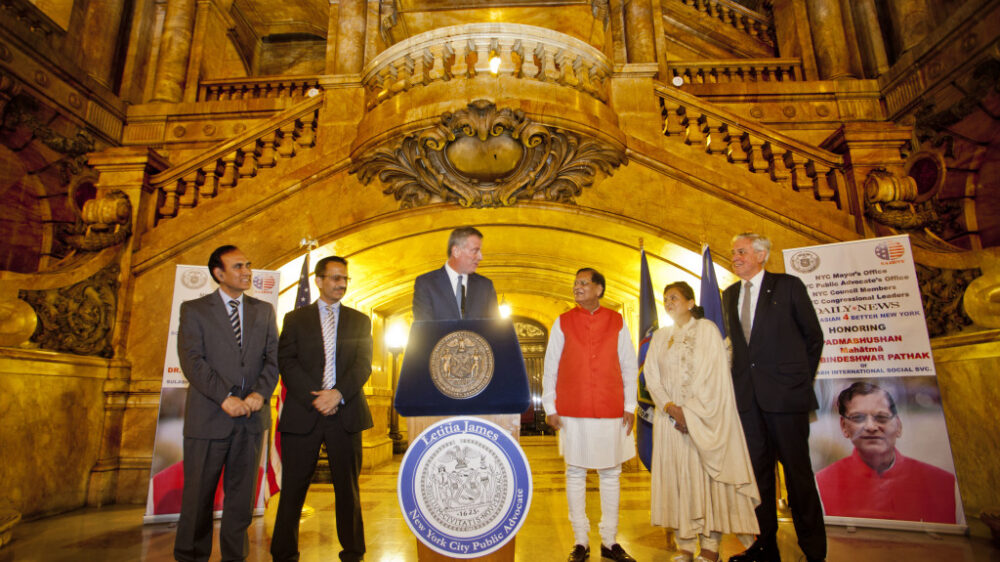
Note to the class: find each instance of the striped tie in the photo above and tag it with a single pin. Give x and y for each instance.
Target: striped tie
(234, 319)
(330, 347)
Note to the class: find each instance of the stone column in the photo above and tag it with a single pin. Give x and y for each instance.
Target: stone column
(826, 22)
(870, 37)
(911, 21)
(640, 44)
(125, 169)
(193, 74)
(99, 39)
(175, 46)
(349, 36)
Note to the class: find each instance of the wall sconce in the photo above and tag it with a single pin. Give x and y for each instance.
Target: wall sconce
(504, 308)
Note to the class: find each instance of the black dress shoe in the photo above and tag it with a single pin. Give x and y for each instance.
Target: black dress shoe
(616, 553)
(579, 553)
(758, 553)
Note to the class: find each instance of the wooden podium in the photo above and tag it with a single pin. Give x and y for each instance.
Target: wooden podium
(501, 402)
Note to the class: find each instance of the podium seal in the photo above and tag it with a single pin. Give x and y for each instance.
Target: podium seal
(464, 487)
(461, 364)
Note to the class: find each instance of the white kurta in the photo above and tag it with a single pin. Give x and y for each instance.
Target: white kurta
(702, 481)
(592, 442)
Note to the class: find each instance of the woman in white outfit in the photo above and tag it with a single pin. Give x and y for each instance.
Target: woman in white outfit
(703, 483)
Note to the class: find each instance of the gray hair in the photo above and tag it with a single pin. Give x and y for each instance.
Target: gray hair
(759, 242)
(458, 236)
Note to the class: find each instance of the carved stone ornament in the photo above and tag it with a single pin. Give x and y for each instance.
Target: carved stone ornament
(889, 201)
(77, 319)
(482, 156)
(106, 222)
(942, 291)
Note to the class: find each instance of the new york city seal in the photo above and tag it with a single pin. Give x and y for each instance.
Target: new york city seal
(464, 487)
(461, 364)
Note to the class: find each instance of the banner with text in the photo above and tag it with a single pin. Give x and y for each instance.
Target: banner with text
(163, 501)
(876, 377)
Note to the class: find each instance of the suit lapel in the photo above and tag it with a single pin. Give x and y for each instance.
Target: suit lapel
(444, 283)
(220, 312)
(763, 301)
(249, 318)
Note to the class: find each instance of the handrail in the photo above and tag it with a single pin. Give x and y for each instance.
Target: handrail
(258, 87)
(737, 70)
(223, 165)
(738, 16)
(761, 149)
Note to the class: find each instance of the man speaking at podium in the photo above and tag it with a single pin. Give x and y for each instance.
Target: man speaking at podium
(456, 291)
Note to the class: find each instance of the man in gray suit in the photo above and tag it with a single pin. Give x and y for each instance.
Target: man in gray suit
(456, 291)
(228, 350)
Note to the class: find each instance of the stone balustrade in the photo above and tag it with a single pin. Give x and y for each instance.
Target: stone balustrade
(752, 23)
(258, 87)
(761, 150)
(222, 167)
(737, 70)
(464, 52)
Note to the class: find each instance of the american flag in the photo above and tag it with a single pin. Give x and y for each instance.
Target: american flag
(889, 250)
(302, 298)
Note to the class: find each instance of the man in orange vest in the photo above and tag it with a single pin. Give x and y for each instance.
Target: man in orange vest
(589, 393)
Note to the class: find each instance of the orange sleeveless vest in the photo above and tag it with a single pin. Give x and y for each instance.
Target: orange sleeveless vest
(590, 384)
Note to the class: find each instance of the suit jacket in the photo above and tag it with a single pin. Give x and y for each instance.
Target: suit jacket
(302, 357)
(434, 297)
(778, 365)
(215, 365)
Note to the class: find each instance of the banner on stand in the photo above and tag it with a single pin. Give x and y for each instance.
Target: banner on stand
(880, 446)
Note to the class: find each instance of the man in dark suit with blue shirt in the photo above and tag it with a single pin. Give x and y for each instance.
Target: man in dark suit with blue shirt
(227, 344)
(456, 291)
(777, 342)
(325, 357)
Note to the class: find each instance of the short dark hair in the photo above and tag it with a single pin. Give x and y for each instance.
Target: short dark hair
(687, 292)
(595, 277)
(459, 235)
(321, 264)
(862, 388)
(215, 260)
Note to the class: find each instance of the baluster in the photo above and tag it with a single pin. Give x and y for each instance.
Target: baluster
(248, 160)
(522, 67)
(598, 77)
(753, 146)
(796, 165)
(284, 140)
(266, 145)
(306, 135)
(548, 71)
(171, 194)
(778, 171)
(823, 188)
(227, 179)
(734, 150)
(427, 70)
(471, 58)
(192, 181)
(674, 118)
(716, 135)
(210, 180)
(694, 133)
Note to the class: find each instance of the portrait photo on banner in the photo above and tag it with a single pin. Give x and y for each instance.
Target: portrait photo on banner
(880, 450)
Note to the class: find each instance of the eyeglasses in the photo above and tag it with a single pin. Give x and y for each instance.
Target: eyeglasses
(336, 278)
(860, 418)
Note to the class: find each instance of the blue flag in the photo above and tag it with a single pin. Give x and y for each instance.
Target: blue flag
(648, 323)
(711, 299)
(302, 298)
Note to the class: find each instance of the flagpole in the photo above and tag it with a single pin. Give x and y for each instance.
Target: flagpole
(302, 298)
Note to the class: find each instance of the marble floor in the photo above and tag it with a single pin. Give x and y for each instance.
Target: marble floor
(116, 533)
